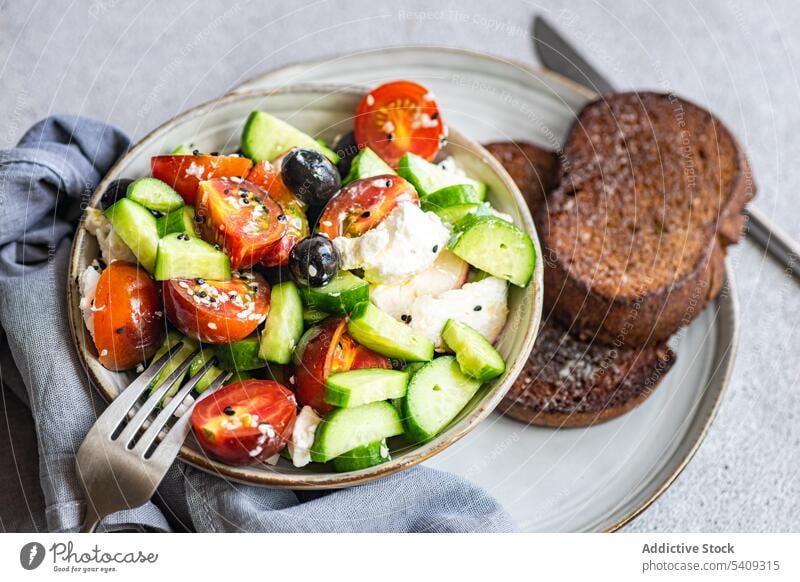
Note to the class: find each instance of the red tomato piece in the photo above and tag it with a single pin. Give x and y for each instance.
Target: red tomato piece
(217, 312)
(269, 179)
(245, 422)
(363, 204)
(323, 351)
(240, 217)
(400, 117)
(127, 316)
(184, 172)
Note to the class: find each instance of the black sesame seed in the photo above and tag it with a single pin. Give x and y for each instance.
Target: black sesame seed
(390, 137)
(245, 200)
(212, 299)
(404, 317)
(217, 247)
(435, 248)
(122, 329)
(200, 281)
(365, 214)
(477, 308)
(388, 183)
(195, 152)
(339, 345)
(282, 217)
(214, 154)
(202, 294)
(435, 116)
(229, 411)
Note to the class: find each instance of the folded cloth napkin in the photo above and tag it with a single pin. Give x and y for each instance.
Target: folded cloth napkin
(44, 184)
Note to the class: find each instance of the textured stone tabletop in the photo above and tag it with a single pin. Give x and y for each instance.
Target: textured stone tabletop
(136, 64)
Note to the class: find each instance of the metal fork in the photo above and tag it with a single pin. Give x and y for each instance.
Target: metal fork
(120, 466)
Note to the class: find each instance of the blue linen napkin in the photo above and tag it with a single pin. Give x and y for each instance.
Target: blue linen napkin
(44, 182)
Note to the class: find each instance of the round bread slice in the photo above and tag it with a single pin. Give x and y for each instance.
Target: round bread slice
(567, 382)
(652, 189)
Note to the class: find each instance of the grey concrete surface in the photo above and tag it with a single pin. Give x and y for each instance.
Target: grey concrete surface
(138, 63)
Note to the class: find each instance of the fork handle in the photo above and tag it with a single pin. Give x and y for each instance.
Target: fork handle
(91, 520)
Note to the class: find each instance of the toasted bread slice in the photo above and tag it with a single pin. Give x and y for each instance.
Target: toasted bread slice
(567, 382)
(651, 192)
(533, 168)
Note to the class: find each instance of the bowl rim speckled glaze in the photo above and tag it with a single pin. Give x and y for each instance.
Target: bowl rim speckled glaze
(264, 475)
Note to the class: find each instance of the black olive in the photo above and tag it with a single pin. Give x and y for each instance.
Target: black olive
(313, 261)
(311, 176)
(116, 191)
(346, 148)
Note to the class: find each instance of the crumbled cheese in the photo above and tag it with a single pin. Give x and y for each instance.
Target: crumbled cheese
(195, 170)
(305, 426)
(87, 283)
(112, 247)
(429, 314)
(406, 243)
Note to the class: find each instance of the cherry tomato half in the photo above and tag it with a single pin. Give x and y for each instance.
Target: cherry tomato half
(326, 349)
(363, 204)
(217, 312)
(185, 172)
(269, 179)
(400, 117)
(239, 216)
(127, 316)
(245, 422)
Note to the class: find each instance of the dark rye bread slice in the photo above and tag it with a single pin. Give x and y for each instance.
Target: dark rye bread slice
(567, 382)
(651, 192)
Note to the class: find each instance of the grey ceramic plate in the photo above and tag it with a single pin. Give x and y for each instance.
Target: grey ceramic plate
(321, 111)
(555, 480)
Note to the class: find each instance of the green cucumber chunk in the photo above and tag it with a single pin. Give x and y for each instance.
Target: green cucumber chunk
(154, 194)
(265, 137)
(476, 357)
(382, 333)
(363, 457)
(367, 164)
(455, 214)
(136, 226)
(240, 355)
(493, 245)
(427, 178)
(181, 150)
(455, 195)
(344, 429)
(178, 357)
(212, 373)
(311, 317)
(284, 324)
(183, 256)
(436, 394)
(358, 387)
(341, 295)
(178, 221)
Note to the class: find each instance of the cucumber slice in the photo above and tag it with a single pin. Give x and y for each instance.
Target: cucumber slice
(241, 355)
(311, 317)
(450, 196)
(284, 324)
(357, 387)
(178, 357)
(455, 214)
(427, 178)
(363, 457)
(341, 295)
(178, 221)
(154, 194)
(382, 333)
(493, 245)
(367, 164)
(475, 355)
(265, 137)
(212, 373)
(436, 394)
(344, 429)
(183, 256)
(136, 226)
(181, 150)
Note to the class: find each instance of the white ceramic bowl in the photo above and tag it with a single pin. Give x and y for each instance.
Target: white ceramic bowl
(321, 111)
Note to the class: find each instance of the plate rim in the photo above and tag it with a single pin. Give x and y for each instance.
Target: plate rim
(727, 301)
(314, 481)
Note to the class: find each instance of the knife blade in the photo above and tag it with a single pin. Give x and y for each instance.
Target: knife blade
(558, 55)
